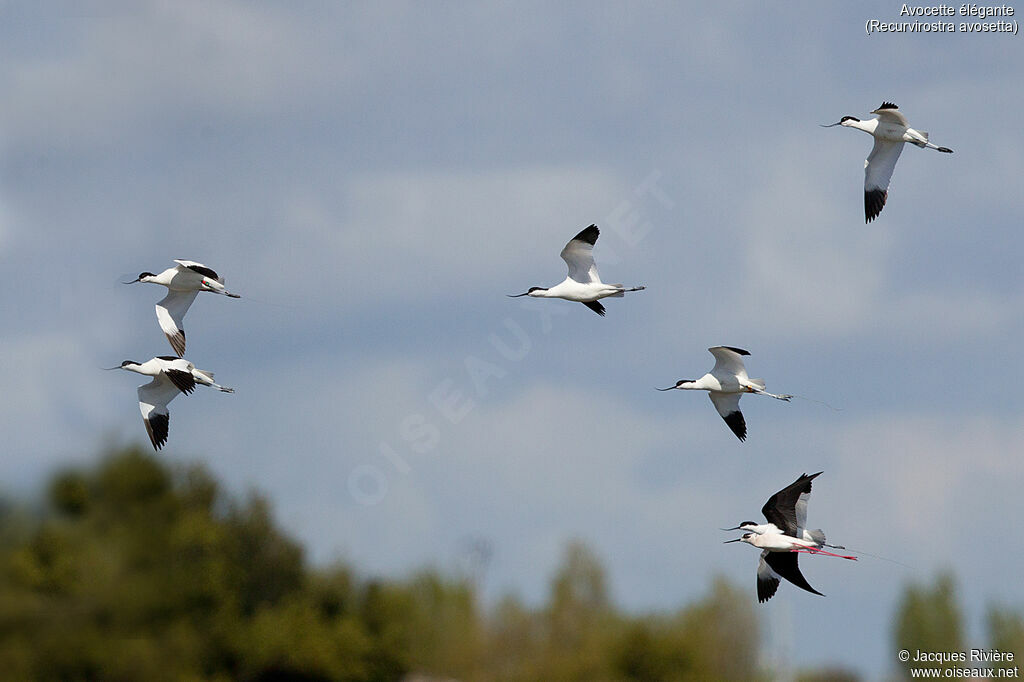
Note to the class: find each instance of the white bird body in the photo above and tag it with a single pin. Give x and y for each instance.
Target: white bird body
(890, 131)
(777, 542)
(582, 284)
(726, 383)
(814, 537)
(171, 376)
(183, 282)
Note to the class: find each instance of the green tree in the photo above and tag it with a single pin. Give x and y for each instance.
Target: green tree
(1006, 634)
(928, 618)
(139, 570)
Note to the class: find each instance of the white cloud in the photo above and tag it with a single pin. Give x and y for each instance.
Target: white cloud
(156, 61)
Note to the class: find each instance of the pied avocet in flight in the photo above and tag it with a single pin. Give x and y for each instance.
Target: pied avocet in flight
(583, 283)
(183, 283)
(784, 537)
(890, 131)
(171, 376)
(725, 383)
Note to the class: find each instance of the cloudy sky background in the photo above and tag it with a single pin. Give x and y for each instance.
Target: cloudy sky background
(373, 179)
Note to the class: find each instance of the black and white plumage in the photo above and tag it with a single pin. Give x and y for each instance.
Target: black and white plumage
(582, 284)
(772, 567)
(726, 383)
(171, 377)
(890, 131)
(784, 537)
(183, 283)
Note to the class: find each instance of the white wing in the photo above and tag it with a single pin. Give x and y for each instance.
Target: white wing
(894, 116)
(878, 170)
(729, 360)
(200, 269)
(170, 312)
(578, 254)
(153, 399)
(880, 164)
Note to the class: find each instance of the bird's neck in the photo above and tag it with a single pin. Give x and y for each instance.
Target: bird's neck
(867, 126)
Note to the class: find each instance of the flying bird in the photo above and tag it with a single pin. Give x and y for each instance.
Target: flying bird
(583, 283)
(784, 537)
(183, 283)
(171, 376)
(726, 383)
(890, 131)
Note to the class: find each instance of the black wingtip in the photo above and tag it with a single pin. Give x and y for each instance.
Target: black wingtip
(595, 306)
(738, 425)
(177, 342)
(734, 349)
(945, 150)
(157, 426)
(588, 235)
(889, 105)
(874, 202)
(766, 589)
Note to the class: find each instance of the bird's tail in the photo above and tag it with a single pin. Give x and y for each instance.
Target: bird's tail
(623, 289)
(757, 383)
(928, 145)
(206, 379)
(817, 535)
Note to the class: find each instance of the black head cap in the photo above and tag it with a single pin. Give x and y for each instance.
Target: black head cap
(684, 381)
(752, 523)
(536, 289)
(128, 362)
(849, 118)
(146, 274)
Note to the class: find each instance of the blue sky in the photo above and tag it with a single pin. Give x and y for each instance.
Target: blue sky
(373, 178)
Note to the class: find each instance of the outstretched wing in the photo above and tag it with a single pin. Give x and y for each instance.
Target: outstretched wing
(170, 313)
(890, 113)
(787, 508)
(199, 268)
(578, 254)
(729, 360)
(767, 579)
(728, 405)
(784, 565)
(878, 170)
(153, 399)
